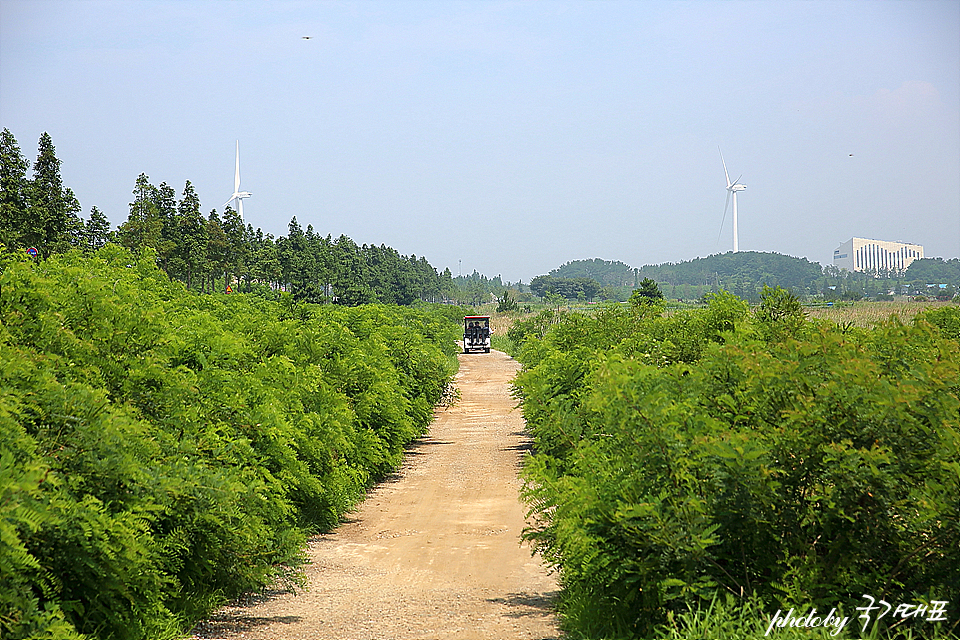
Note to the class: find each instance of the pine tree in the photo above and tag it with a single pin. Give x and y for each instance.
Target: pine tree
(348, 278)
(14, 185)
(144, 227)
(96, 231)
(292, 251)
(265, 259)
(54, 225)
(647, 293)
(235, 260)
(218, 248)
(190, 254)
(448, 288)
(165, 201)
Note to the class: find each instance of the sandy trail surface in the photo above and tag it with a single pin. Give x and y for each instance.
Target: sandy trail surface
(434, 551)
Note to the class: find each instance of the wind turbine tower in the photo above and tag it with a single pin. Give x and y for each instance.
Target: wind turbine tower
(732, 188)
(240, 195)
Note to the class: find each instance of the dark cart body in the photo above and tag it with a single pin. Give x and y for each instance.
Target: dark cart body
(476, 334)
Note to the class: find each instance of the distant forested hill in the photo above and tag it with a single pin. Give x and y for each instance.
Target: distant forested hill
(743, 273)
(934, 270)
(606, 272)
(747, 266)
(743, 269)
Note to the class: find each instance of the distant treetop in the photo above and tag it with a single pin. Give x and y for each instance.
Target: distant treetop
(934, 271)
(606, 272)
(754, 266)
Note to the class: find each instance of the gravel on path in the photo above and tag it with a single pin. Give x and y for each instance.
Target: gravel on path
(434, 551)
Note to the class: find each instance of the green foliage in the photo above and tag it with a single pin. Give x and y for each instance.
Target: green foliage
(712, 451)
(473, 290)
(746, 273)
(534, 326)
(36, 211)
(779, 314)
(506, 304)
(208, 254)
(743, 273)
(946, 319)
(23, 580)
(934, 270)
(14, 186)
(568, 288)
(606, 272)
(162, 451)
(647, 293)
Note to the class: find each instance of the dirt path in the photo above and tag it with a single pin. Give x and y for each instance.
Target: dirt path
(434, 551)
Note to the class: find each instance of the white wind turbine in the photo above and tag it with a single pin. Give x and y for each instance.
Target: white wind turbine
(237, 194)
(732, 188)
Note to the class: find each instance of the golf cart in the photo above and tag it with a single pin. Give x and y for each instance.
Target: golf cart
(476, 333)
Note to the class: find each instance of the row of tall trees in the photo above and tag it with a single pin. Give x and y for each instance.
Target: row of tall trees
(477, 289)
(219, 250)
(36, 210)
(570, 288)
(208, 252)
(204, 251)
(608, 273)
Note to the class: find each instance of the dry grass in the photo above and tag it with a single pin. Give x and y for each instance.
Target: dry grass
(867, 314)
(859, 314)
(501, 322)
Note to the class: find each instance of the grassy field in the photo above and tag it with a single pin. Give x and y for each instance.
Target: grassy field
(866, 314)
(859, 314)
(500, 323)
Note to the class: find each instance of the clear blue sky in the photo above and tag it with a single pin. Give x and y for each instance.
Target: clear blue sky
(511, 136)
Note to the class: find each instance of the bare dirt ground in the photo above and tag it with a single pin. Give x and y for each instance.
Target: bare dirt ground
(434, 552)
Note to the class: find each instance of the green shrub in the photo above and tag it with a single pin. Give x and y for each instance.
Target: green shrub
(946, 319)
(795, 463)
(163, 451)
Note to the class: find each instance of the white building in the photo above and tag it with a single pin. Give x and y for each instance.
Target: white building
(862, 254)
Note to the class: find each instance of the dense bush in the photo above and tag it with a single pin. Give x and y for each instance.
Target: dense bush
(718, 452)
(162, 451)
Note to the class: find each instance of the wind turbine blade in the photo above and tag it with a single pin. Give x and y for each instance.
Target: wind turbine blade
(227, 203)
(737, 181)
(725, 205)
(726, 175)
(236, 181)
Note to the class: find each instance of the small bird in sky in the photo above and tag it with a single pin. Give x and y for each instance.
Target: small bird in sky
(307, 37)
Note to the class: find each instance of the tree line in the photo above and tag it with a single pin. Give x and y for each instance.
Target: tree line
(39, 211)
(606, 272)
(213, 252)
(745, 274)
(220, 252)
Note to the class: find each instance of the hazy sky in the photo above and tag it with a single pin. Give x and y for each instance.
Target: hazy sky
(511, 136)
